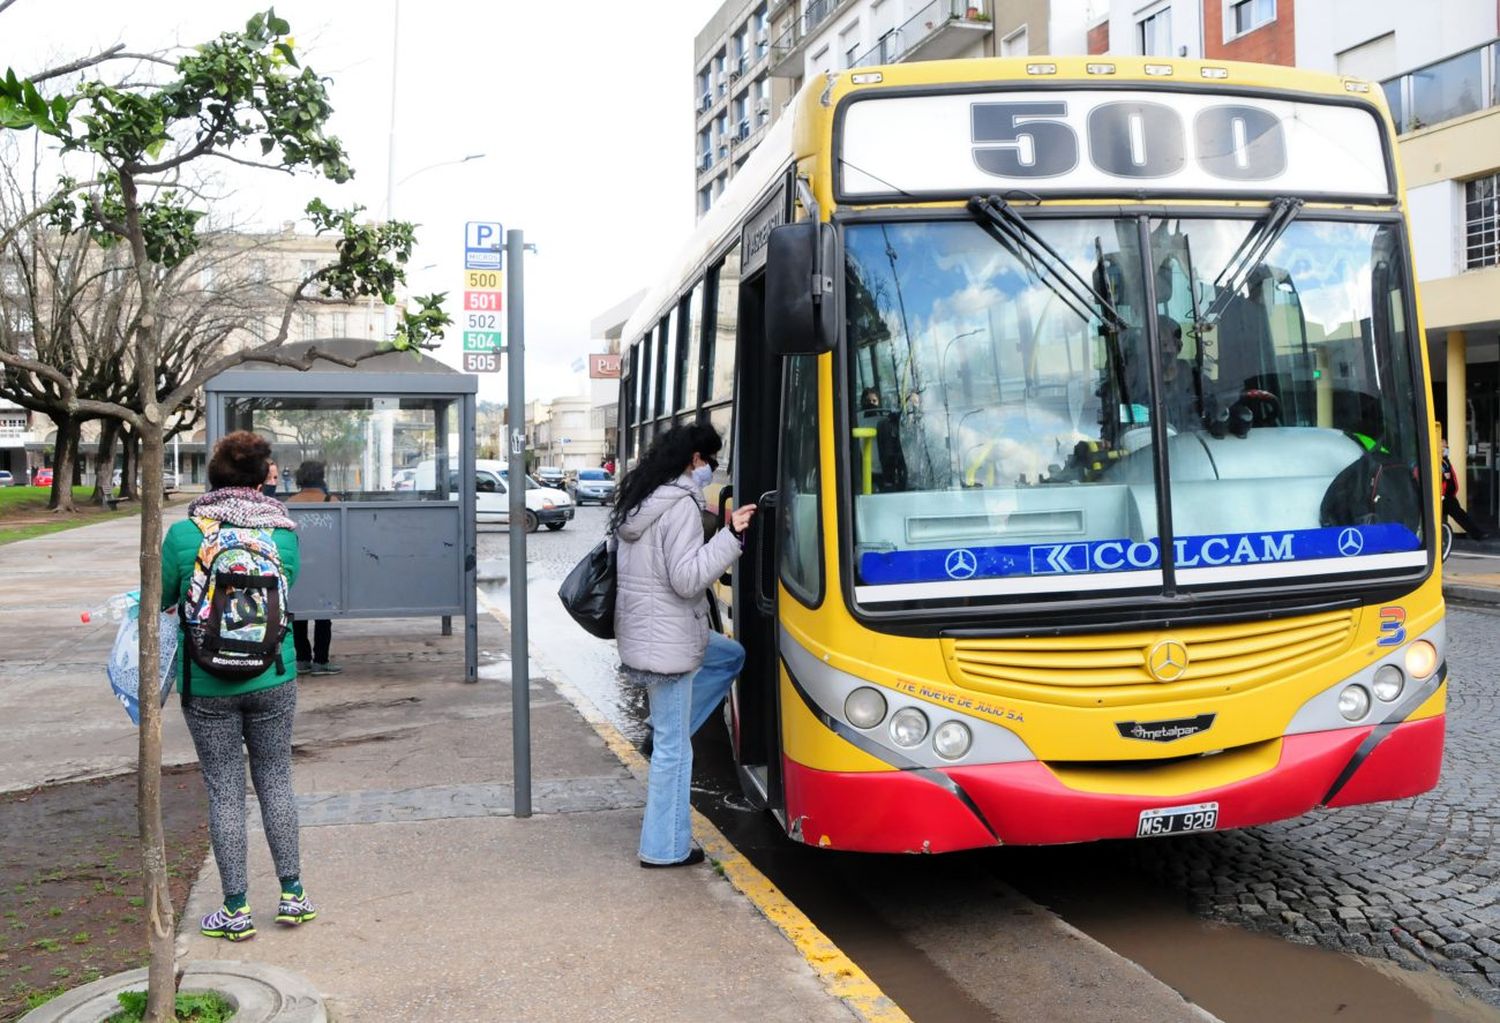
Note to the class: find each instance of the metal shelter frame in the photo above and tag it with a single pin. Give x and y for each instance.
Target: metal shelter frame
(381, 558)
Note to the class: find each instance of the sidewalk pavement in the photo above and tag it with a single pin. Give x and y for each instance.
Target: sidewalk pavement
(436, 903)
(1472, 573)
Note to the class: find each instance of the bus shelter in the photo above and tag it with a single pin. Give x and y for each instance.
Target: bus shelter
(395, 537)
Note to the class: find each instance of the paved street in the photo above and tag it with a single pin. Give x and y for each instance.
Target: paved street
(1411, 881)
(1414, 882)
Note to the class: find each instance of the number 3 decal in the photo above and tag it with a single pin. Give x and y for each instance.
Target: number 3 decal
(1392, 626)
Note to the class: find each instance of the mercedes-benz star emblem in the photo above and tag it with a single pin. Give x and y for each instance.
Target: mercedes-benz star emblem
(1351, 542)
(1167, 661)
(961, 564)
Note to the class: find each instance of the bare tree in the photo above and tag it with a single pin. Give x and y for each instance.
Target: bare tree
(239, 88)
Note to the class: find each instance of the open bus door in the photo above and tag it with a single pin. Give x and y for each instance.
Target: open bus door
(757, 429)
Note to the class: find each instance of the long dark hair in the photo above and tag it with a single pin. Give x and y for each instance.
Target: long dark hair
(665, 460)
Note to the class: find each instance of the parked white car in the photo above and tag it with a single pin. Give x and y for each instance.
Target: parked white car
(544, 506)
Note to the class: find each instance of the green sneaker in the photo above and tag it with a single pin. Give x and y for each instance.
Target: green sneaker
(235, 926)
(295, 909)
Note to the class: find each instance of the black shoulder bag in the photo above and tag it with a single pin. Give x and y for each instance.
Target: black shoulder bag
(588, 592)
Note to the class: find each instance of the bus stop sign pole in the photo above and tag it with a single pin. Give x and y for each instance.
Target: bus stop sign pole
(520, 662)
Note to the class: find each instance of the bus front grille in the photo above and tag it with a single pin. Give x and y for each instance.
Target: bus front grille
(1112, 670)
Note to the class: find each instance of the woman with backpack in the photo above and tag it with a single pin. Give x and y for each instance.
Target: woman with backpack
(664, 568)
(236, 529)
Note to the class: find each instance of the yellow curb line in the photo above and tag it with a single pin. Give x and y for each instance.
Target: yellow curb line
(840, 976)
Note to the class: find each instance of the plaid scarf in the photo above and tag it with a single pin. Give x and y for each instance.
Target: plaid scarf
(242, 506)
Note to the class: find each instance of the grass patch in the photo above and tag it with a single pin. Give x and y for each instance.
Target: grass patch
(206, 1007)
(24, 515)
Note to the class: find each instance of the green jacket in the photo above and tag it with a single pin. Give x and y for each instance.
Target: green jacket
(179, 549)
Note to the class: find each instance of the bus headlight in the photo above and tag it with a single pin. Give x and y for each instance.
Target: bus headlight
(908, 726)
(1354, 702)
(1421, 659)
(1388, 682)
(865, 707)
(952, 739)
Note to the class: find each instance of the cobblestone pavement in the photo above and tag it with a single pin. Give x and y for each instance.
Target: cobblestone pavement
(1414, 881)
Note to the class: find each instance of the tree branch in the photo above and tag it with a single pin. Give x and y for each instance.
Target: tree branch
(252, 163)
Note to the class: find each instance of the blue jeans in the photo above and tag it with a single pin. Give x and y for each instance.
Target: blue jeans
(678, 709)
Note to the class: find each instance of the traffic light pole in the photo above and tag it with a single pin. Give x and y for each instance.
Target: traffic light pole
(520, 661)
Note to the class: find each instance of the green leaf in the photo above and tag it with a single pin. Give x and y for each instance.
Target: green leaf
(287, 54)
(267, 143)
(278, 26)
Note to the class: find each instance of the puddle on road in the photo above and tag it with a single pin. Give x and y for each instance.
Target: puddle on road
(1243, 976)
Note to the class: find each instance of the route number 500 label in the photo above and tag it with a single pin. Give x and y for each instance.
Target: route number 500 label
(1132, 139)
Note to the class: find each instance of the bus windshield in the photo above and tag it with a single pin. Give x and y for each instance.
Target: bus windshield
(1006, 429)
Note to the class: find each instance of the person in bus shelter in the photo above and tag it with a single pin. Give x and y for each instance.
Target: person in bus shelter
(664, 569)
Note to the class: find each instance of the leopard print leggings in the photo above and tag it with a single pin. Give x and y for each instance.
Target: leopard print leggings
(222, 727)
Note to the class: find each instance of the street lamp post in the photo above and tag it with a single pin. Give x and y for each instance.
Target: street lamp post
(948, 405)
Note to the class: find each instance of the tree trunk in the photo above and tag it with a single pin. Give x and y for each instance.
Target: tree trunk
(104, 479)
(160, 921)
(132, 450)
(64, 458)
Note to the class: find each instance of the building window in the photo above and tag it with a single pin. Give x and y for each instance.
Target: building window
(1016, 44)
(1447, 89)
(1247, 16)
(1154, 33)
(257, 271)
(308, 268)
(309, 326)
(340, 325)
(1482, 219)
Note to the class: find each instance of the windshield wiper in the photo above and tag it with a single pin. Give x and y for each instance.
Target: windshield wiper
(1255, 246)
(999, 219)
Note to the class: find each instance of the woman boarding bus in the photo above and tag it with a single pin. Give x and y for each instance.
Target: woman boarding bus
(1097, 486)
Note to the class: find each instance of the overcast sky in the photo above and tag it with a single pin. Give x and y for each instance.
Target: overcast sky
(583, 110)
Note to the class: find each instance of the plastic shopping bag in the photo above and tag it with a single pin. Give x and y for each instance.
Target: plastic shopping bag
(124, 662)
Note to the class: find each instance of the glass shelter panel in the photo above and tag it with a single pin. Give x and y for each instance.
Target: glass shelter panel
(371, 448)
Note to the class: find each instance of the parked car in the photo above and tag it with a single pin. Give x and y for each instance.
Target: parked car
(404, 479)
(6, 479)
(592, 485)
(42, 478)
(549, 476)
(168, 481)
(544, 506)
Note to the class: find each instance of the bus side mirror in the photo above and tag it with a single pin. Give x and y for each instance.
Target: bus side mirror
(802, 304)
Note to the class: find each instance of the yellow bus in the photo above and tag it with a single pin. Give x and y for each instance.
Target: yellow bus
(1086, 403)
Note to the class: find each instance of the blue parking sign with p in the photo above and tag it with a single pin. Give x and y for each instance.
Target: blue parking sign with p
(484, 244)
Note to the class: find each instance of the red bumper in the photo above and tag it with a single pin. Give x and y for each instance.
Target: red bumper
(1026, 804)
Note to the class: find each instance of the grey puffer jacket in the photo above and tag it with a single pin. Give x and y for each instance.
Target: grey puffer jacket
(664, 570)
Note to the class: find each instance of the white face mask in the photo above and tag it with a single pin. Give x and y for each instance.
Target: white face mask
(702, 475)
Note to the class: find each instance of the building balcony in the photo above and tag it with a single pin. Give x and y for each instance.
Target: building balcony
(788, 48)
(941, 30)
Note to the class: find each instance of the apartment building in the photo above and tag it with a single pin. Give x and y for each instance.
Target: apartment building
(735, 98)
(752, 57)
(1441, 78)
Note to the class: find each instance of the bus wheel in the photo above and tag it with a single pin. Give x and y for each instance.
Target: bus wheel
(532, 522)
